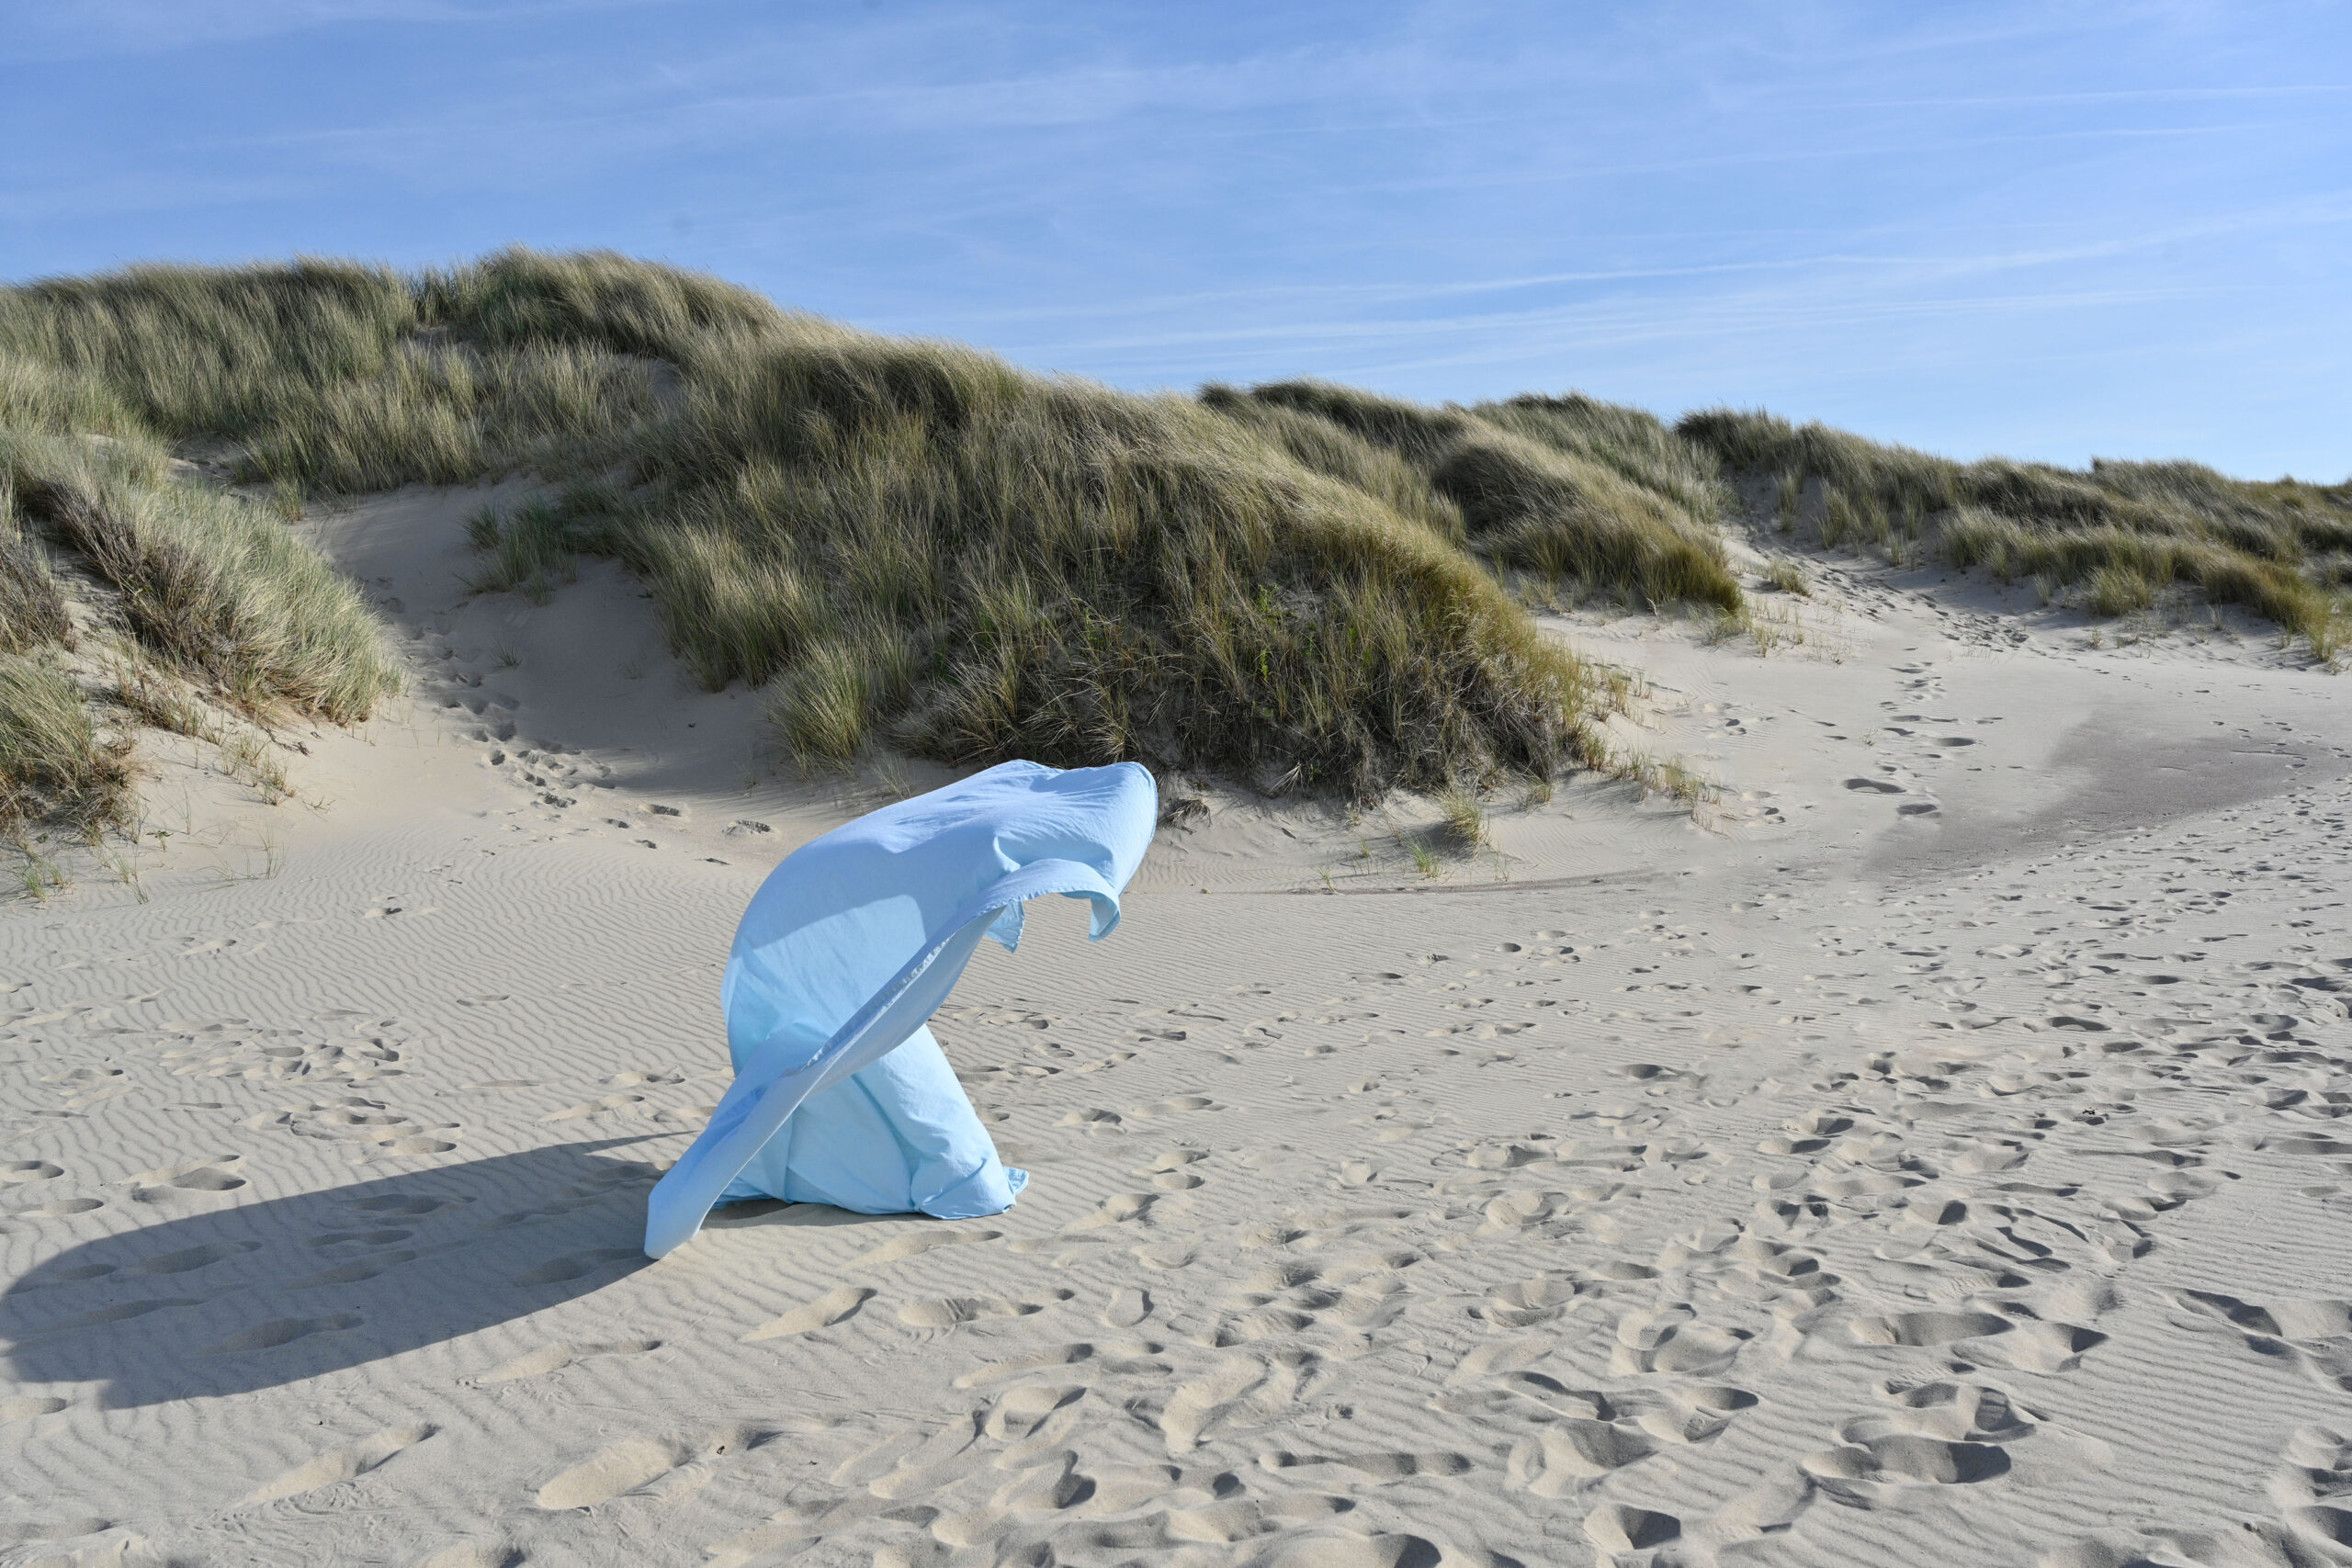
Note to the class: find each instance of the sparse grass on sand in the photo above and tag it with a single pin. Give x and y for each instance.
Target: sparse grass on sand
(2118, 532)
(1462, 817)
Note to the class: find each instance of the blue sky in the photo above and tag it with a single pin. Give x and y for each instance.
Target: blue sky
(2051, 231)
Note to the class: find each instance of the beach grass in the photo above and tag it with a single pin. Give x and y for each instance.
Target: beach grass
(2116, 535)
(917, 545)
(54, 765)
(211, 582)
(33, 611)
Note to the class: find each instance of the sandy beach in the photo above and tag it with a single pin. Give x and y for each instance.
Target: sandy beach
(1923, 1152)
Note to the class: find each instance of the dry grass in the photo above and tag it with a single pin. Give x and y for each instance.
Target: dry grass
(904, 541)
(213, 586)
(212, 583)
(251, 760)
(32, 607)
(161, 703)
(1564, 488)
(1462, 818)
(1298, 585)
(529, 550)
(53, 765)
(1675, 779)
(2118, 533)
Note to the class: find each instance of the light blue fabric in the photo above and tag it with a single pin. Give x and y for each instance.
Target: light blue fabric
(841, 1095)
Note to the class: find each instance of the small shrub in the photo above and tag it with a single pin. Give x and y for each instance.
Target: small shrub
(825, 708)
(210, 581)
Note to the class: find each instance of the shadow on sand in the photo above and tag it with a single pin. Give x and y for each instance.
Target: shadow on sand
(266, 1293)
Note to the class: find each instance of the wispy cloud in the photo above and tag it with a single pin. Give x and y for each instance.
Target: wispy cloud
(76, 30)
(1444, 196)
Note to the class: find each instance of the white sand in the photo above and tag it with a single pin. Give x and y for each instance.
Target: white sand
(1827, 1184)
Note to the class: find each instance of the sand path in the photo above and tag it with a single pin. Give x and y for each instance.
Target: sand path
(1843, 1182)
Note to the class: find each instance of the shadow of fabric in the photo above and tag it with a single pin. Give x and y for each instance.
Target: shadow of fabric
(260, 1294)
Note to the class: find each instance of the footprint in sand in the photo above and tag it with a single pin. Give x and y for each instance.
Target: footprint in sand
(1622, 1526)
(27, 1406)
(473, 1555)
(833, 1306)
(360, 1240)
(181, 1183)
(1127, 1307)
(1239, 1391)
(1571, 1452)
(2317, 1334)
(555, 1358)
(342, 1464)
(406, 1206)
(1128, 1359)
(1119, 1208)
(1924, 1328)
(556, 1271)
(1668, 1339)
(633, 1462)
(1531, 1302)
(283, 1331)
(915, 1243)
(604, 1107)
(1378, 1467)
(946, 1312)
(1024, 1411)
(1869, 1462)
(191, 1258)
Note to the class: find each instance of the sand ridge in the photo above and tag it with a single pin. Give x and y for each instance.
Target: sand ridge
(1821, 1180)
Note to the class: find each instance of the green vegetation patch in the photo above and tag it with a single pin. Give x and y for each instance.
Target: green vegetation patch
(53, 766)
(1298, 584)
(2120, 533)
(212, 583)
(907, 541)
(1565, 488)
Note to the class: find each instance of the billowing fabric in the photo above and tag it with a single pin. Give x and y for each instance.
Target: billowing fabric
(841, 1095)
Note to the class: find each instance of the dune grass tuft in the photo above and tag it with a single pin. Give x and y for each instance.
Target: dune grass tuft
(33, 612)
(1565, 488)
(528, 551)
(1462, 817)
(53, 766)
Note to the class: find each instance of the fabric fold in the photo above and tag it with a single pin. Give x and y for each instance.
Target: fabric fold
(841, 1094)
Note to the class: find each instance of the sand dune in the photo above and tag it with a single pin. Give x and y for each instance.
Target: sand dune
(1925, 1154)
